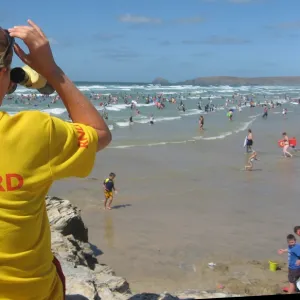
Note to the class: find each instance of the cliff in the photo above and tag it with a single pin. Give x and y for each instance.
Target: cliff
(235, 81)
(86, 279)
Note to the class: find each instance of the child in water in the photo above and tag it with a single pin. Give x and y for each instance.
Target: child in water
(252, 158)
(230, 115)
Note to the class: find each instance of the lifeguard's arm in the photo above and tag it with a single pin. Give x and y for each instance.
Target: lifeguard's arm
(80, 109)
(40, 58)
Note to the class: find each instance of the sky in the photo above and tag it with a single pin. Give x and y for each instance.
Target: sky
(137, 41)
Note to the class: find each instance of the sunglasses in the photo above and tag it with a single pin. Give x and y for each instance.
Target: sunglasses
(11, 42)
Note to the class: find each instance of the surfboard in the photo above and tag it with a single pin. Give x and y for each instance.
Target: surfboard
(292, 142)
(245, 141)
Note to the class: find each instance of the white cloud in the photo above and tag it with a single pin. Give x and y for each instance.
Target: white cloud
(128, 18)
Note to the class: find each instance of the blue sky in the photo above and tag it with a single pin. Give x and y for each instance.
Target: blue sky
(136, 41)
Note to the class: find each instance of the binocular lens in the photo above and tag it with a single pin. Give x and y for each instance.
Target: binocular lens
(17, 75)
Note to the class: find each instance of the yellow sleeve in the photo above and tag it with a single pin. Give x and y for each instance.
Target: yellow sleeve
(72, 149)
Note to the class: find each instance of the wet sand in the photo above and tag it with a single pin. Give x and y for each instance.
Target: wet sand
(183, 206)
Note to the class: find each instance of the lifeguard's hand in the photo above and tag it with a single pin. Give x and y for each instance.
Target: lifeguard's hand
(40, 56)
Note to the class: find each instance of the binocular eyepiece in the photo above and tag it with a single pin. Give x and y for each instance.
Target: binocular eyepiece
(29, 78)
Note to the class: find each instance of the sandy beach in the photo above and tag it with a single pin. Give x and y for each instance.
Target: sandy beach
(183, 206)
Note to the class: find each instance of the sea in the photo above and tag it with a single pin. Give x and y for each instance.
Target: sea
(171, 125)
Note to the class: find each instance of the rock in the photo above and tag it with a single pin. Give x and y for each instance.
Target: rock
(114, 283)
(86, 279)
(161, 81)
(65, 218)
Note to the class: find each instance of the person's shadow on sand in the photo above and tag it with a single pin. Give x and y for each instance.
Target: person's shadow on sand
(145, 296)
(121, 206)
(76, 297)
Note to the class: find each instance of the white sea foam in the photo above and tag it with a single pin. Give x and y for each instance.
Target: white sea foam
(123, 124)
(223, 135)
(192, 112)
(55, 111)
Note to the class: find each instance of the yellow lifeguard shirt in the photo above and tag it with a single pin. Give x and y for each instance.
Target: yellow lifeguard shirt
(35, 150)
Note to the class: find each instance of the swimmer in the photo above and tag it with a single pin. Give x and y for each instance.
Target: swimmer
(252, 158)
(286, 145)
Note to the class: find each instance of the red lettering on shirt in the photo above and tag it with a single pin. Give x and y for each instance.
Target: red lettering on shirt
(83, 142)
(2, 189)
(11, 183)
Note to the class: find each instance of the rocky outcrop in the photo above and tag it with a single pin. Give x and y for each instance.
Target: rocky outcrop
(86, 279)
(161, 81)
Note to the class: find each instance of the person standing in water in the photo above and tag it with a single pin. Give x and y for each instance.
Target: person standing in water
(201, 122)
(249, 141)
(284, 112)
(151, 120)
(286, 145)
(265, 115)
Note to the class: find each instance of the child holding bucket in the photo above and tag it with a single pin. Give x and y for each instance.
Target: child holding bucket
(293, 251)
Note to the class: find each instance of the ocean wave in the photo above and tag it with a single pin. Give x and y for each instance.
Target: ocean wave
(192, 112)
(55, 111)
(223, 135)
(123, 124)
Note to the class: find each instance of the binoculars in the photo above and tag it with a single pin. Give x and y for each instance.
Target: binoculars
(29, 78)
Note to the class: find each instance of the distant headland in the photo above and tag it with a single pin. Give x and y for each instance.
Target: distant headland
(233, 81)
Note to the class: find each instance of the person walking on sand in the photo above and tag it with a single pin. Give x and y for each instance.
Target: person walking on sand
(293, 251)
(201, 122)
(286, 145)
(33, 157)
(251, 159)
(109, 188)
